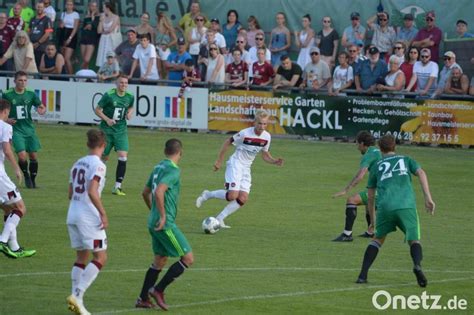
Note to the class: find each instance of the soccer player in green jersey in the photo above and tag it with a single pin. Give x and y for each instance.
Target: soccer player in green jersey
(115, 108)
(396, 206)
(161, 194)
(25, 141)
(370, 154)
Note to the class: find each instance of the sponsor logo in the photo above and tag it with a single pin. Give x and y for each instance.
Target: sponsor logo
(51, 99)
(177, 108)
(383, 300)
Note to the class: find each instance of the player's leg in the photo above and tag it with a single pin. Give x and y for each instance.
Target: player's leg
(120, 173)
(32, 146)
(151, 277)
(232, 176)
(351, 213)
(23, 164)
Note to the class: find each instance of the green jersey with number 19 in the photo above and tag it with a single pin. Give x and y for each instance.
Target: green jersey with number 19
(21, 105)
(115, 107)
(391, 176)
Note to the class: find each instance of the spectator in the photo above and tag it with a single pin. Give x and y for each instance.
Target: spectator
(461, 30)
(236, 73)
(399, 51)
(52, 62)
(289, 74)
(187, 21)
(328, 41)
(145, 57)
(230, 30)
(15, 21)
(109, 70)
(40, 31)
(89, 33)
(407, 66)
(384, 35)
(280, 39)
(253, 29)
(26, 13)
(355, 33)
(252, 56)
(243, 33)
(144, 27)
(215, 65)
(370, 71)
(425, 73)
(67, 37)
(195, 36)
(262, 70)
(124, 53)
(190, 75)
(429, 37)
(219, 38)
(457, 83)
(304, 40)
(343, 76)
(176, 60)
(241, 43)
(6, 37)
(395, 78)
(109, 28)
(449, 63)
(204, 52)
(49, 10)
(354, 56)
(21, 50)
(316, 74)
(408, 31)
(165, 39)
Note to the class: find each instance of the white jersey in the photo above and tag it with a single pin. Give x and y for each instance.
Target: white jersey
(81, 209)
(6, 132)
(248, 145)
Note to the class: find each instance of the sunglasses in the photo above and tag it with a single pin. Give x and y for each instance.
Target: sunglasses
(258, 38)
(199, 20)
(239, 42)
(352, 51)
(397, 47)
(429, 19)
(447, 58)
(213, 48)
(413, 52)
(314, 53)
(425, 56)
(383, 20)
(326, 21)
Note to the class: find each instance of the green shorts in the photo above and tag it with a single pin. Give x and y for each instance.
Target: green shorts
(118, 141)
(169, 243)
(25, 143)
(405, 219)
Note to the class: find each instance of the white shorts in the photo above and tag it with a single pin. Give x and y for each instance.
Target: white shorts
(237, 177)
(163, 54)
(8, 192)
(87, 237)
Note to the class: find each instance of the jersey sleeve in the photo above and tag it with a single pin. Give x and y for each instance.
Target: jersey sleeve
(170, 178)
(412, 165)
(99, 171)
(36, 100)
(366, 160)
(6, 133)
(266, 148)
(132, 101)
(103, 101)
(238, 138)
(149, 182)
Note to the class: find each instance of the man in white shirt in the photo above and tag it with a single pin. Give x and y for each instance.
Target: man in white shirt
(425, 73)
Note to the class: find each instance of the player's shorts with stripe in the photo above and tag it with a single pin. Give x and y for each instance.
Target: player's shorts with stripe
(405, 219)
(237, 177)
(25, 143)
(8, 192)
(87, 237)
(118, 141)
(169, 242)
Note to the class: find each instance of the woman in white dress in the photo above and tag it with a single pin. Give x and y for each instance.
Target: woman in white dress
(109, 28)
(304, 41)
(215, 65)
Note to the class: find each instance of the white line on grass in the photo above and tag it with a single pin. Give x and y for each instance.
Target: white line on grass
(288, 294)
(52, 273)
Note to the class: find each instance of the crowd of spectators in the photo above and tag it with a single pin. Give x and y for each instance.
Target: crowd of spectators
(395, 58)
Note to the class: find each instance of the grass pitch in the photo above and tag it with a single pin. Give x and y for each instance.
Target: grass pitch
(277, 257)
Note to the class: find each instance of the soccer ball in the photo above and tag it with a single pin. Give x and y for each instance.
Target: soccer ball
(210, 225)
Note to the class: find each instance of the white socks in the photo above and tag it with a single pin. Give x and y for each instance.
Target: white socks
(217, 194)
(10, 225)
(76, 274)
(86, 278)
(228, 210)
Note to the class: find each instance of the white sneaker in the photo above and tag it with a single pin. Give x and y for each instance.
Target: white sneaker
(201, 198)
(223, 225)
(76, 306)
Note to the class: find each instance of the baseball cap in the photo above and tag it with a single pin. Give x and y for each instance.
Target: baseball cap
(181, 41)
(431, 14)
(131, 29)
(215, 20)
(461, 21)
(450, 54)
(314, 49)
(409, 16)
(110, 54)
(355, 15)
(373, 51)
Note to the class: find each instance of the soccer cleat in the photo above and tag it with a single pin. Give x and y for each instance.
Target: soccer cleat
(159, 298)
(22, 253)
(361, 280)
(29, 182)
(6, 250)
(144, 303)
(222, 225)
(118, 191)
(76, 306)
(33, 182)
(343, 238)
(201, 199)
(420, 277)
(367, 235)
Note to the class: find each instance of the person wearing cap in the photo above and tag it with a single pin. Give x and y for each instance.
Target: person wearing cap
(145, 56)
(316, 74)
(355, 33)
(408, 31)
(370, 71)
(449, 63)
(110, 70)
(124, 53)
(218, 37)
(429, 37)
(175, 62)
(384, 34)
(425, 73)
(457, 83)
(288, 74)
(461, 30)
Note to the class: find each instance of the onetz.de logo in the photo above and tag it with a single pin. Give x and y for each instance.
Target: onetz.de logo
(383, 300)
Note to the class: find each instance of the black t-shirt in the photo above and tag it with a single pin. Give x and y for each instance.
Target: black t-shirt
(288, 74)
(327, 42)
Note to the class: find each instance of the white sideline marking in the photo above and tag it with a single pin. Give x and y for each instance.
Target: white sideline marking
(53, 273)
(289, 294)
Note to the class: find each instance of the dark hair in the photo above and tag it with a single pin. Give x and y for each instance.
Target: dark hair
(236, 15)
(146, 35)
(284, 57)
(255, 21)
(387, 144)
(20, 74)
(4, 104)
(95, 138)
(366, 138)
(236, 49)
(307, 16)
(189, 63)
(51, 44)
(173, 146)
(343, 53)
(110, 6)
(407, 53)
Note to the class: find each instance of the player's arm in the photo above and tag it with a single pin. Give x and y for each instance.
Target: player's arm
(70, 191)
(160, 204)
(94, 196)
(100, 112)
(146, 195)
(267, 157)
(356, 180)
(129, 113)
(371, 206)
(222, 151)
(7, 150)
(429, 203)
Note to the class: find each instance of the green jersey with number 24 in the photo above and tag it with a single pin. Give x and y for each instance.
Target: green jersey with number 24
(115, 107)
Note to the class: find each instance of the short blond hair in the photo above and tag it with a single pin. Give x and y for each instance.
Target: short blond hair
(261, 114)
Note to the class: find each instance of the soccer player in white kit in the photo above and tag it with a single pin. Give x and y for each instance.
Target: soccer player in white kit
(10, 198)
(86, 219)
(238, 179)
